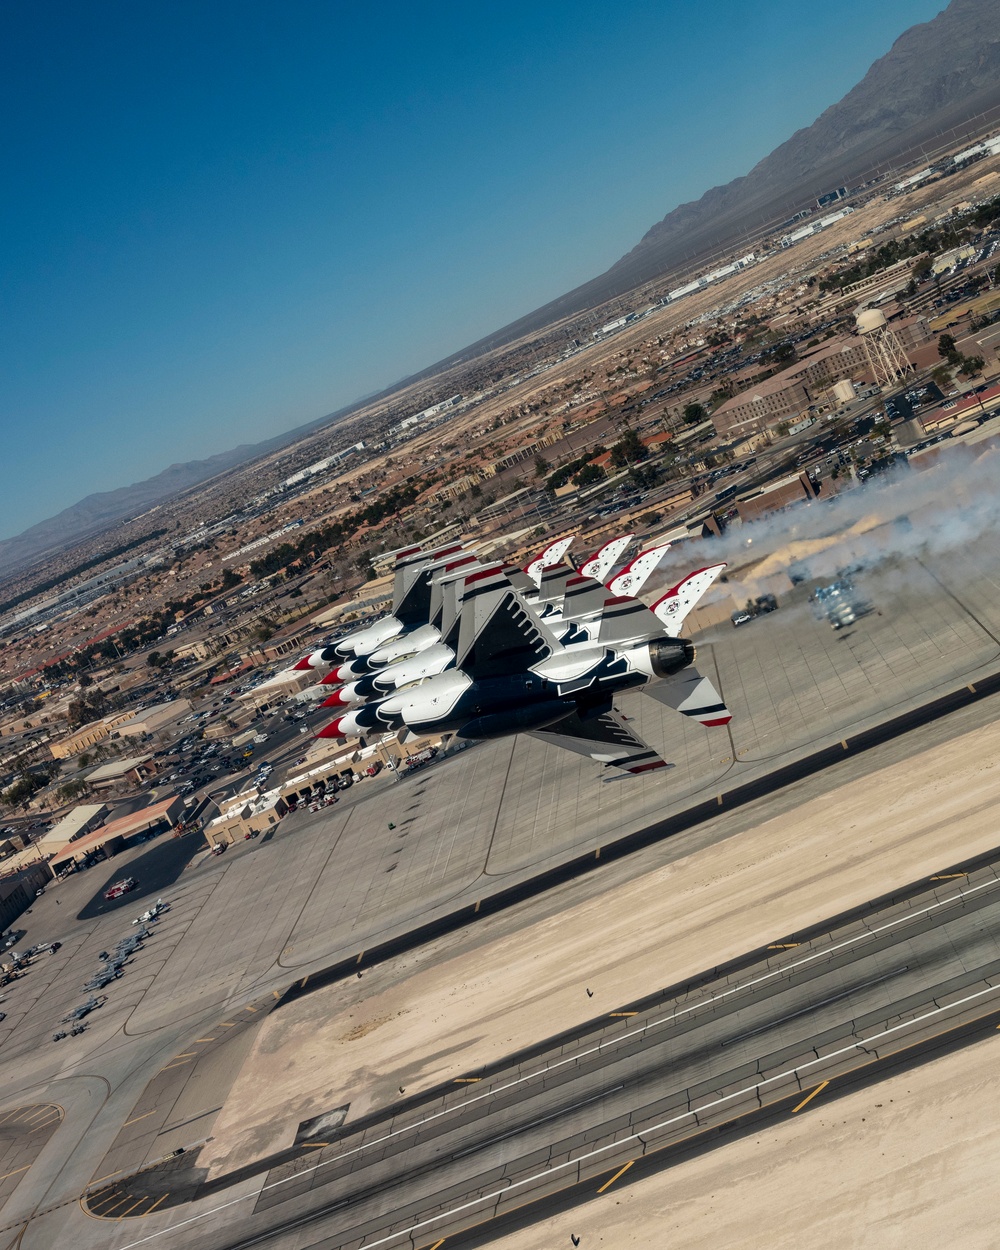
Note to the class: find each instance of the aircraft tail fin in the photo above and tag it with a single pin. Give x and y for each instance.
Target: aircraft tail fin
(637, 572)
(552, 554)
(603, 560)
(673, 607)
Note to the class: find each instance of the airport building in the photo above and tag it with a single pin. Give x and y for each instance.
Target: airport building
(248, 815)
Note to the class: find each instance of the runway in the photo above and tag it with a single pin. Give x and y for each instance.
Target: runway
(654, 1075)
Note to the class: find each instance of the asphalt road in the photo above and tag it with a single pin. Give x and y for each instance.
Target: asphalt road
(651, 1076)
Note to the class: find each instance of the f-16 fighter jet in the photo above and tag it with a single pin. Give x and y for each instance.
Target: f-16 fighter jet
(512, 675)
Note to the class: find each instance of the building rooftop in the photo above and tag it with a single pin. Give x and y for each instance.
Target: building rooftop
(71, 824)
(117, 768)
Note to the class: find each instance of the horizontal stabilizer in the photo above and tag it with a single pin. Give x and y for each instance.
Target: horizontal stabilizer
(605, 738)
(625, 619)
(674, 606)
(692, 695)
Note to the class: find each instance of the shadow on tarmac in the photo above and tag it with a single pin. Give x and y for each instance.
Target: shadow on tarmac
(155, 870)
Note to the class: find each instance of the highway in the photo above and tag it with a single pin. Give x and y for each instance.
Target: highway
(650, 1076)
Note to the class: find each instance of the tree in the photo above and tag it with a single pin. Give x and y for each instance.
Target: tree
(589, 474)
(629, 449)
(971, 365)
(946, 346)
(694, 414)
(231, 579)
(921, 269)
(541, 466)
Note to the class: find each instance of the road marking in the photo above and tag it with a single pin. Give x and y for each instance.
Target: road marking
(809, 1097)
(843, 743)
(597, 853)
(145, 1115)
(718, 799)
(948, 876)
(361, 955)
(647, 1027)
(174, 1065)
(783, 946)
(438, 1244)
(276, 993)
(204, 1039)
(223, 1024)
(157, 1203)
(115, 1206)
(249, 1008)
(186, 1054)
(971, 687)
(137, 1203)
(475, 909)
(618, 1015)
(15, 1172)
(314, 1145)
(620, 1172)
(467, 1080)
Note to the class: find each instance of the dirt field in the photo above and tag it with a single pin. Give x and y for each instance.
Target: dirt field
(358, 1043)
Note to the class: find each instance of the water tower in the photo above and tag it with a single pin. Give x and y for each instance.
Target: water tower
(886, 357)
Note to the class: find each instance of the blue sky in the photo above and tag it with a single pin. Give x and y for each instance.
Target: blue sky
(221, 220)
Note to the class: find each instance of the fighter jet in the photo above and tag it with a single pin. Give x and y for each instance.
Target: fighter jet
(512, 675)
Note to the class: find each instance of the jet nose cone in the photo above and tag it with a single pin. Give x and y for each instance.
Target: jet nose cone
(332, 730)
(331, 679)
(303, 665)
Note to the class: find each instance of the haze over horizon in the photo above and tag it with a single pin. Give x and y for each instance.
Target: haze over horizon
(227, 221)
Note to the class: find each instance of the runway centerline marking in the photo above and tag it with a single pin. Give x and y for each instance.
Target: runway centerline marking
(620, 1172)
(809, 1097)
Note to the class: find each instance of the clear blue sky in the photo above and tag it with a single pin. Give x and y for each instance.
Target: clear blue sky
(221, 219)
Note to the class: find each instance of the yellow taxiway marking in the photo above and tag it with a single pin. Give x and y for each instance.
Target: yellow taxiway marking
(948, 876)
(467, 1080)
(145, 1115)
(38, 1114)
(477, 905)
(783, 946)
(718, 799)
(15, 1172)
(204, 1039)
(843, 743)
(618, 1015)
(276, 993)
(809, 1097)
(174, 1065)
(223, 1024)
(620, 1172)
(314, 1145)
(971, 687)
(361, 955)
(157, 1203)
(186, 1054)
(249, 1008)
(108, 1210)
(438, 1244)
(128, 1210)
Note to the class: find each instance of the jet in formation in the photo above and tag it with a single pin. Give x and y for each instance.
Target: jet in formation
(481, 650)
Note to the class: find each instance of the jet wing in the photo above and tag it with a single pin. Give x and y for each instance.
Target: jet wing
(605, 738)
(692, 695)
